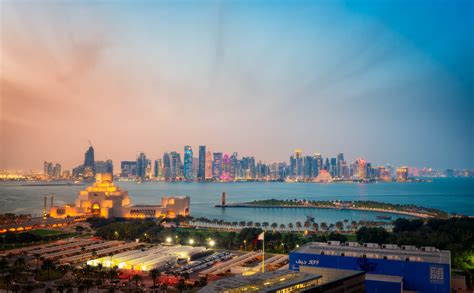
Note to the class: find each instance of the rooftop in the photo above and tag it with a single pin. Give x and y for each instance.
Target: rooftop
(373, 250)
(261, 282)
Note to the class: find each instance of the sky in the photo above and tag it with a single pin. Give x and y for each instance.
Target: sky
(389, 81)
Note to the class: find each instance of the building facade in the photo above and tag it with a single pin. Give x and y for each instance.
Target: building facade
(425, 269)
(105, 199)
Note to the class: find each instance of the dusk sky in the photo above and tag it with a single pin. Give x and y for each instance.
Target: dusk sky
(390, 81)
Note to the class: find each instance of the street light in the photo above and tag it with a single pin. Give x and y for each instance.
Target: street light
(191, 241)
(168, 240)
(212, 243)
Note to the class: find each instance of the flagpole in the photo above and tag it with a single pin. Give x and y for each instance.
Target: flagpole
(263, 252)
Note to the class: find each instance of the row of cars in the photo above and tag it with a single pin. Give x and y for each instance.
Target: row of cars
(201, 264)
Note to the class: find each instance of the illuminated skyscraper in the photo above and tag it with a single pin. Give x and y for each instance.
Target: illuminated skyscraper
(158, 169)
(361, 169)
(217, 165)
(176, 166)
(299, 162)
(208, 169)
(188, 163)
(402, 174)
(88, 168)
(319, 161)
(201, 174)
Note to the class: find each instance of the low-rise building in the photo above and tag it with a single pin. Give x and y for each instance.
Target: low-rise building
(407, 268)
(105, 199)
(283, 281)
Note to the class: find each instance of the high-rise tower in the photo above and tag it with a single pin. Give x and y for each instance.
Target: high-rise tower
(202, 163)
(188, 163)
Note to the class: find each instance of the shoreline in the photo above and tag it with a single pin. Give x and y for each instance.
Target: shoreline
(405, 213)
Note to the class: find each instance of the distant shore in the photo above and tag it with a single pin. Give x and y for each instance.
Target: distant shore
(356, 205)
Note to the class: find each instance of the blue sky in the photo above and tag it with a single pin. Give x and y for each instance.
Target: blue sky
(390, 81)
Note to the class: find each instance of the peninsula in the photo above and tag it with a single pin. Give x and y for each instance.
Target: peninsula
(371, 206)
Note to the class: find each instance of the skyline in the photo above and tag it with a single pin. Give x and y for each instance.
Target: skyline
(385, 81)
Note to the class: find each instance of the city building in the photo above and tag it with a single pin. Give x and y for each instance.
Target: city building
(89, 164)
(217, 165)
(105, 199)
(51, 171)
(208, 167)
(128, 169)
(104, 166)
(176, 167)
(402, 174)
(201, 174)
(188, 163)
(142, 163)
(158, 169)
(388, 267)
(282, 281)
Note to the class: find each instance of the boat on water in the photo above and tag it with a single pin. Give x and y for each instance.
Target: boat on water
(310, 219)
(382, 217)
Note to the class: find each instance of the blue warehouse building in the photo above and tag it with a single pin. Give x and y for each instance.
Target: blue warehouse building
(388, 267)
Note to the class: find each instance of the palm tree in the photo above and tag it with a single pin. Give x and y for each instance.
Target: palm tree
(307, 224)
(155, 274)
(258, 225)
(249, 224)
(181, 285)
(164, 287)
(324, 226)
(48, 265)
(3, 265)
(298, 225)
(339, 225)
(19, 264)
(113, 274)
(137, 278)
(274, 226)
(242, 224)
(315, 227)
(37, 256)
(282, 227)
(290, 226)
(265, 225)
(83, 249)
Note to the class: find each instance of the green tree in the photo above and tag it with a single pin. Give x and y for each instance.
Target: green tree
(155, 274)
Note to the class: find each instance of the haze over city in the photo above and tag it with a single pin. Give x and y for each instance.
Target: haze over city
(392, 83)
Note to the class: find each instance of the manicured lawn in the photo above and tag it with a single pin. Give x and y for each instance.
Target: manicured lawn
(44, 232)
(53, 275)
(351, 237)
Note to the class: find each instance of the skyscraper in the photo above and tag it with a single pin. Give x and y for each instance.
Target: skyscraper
(299, 162)
(142, 164)
(308, 167)
(47, 169)
(158, 168)
(89, 158)
(188, 163)
(88, 168)
(202, 163)
(217, 165)
(340, 160)
(176, 166)
(167, 166)
(208, 170)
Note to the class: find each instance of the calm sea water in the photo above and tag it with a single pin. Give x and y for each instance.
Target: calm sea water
(448, 194)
